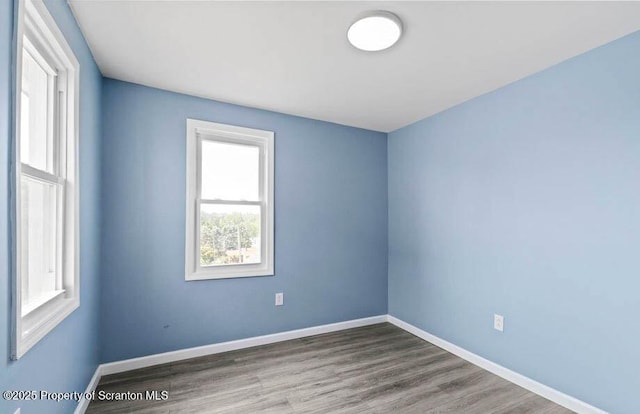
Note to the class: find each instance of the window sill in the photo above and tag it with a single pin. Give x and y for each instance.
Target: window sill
(42, 300)
(229, 272)
(41, 321)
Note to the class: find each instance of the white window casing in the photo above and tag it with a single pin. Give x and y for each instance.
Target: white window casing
(53, 207)
(260, 140)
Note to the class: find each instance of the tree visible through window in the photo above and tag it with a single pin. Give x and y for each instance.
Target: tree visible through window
(229, 237)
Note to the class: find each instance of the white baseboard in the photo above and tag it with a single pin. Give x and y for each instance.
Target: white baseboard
(542, 390)
(146, 361)
(83, 404)
(173, 356)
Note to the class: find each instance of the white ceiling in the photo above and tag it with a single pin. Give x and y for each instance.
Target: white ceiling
(293, 57)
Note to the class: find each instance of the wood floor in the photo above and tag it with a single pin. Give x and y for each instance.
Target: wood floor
(374, 369)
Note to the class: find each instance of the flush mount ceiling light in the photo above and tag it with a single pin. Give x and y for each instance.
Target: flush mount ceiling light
(374, 31)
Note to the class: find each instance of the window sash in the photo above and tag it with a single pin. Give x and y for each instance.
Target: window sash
(53, 101)
(235, 141)
(263, 245)
(60, 195)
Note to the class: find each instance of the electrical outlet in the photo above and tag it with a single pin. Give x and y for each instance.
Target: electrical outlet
(279, 299)
(498, 322)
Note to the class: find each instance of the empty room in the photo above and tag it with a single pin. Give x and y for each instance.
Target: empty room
(236, 207)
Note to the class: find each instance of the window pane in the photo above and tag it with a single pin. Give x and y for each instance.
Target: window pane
(229, 234)
(36, 146)
(38, 232)
(230, 171)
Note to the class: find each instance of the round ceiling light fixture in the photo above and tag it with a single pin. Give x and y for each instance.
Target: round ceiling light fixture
(374, 31)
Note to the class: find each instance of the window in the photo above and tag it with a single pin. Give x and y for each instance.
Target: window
(46, 288)
(229, 201)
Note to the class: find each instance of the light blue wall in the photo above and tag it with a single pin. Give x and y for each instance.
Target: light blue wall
(65, 359)
(526, 202)
(331, 227)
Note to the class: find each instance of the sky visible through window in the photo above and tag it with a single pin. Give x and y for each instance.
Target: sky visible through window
(230, 171)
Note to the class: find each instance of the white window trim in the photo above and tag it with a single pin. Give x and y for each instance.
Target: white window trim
(34, 17)
(229, 133)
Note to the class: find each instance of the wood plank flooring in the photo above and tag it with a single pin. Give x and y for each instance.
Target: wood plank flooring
(374, 369)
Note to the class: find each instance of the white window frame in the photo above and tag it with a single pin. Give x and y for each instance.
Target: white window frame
(35, 22)
(264, 140)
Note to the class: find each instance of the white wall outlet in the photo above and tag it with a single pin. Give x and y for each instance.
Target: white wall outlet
(498, 322)
(279, 299)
